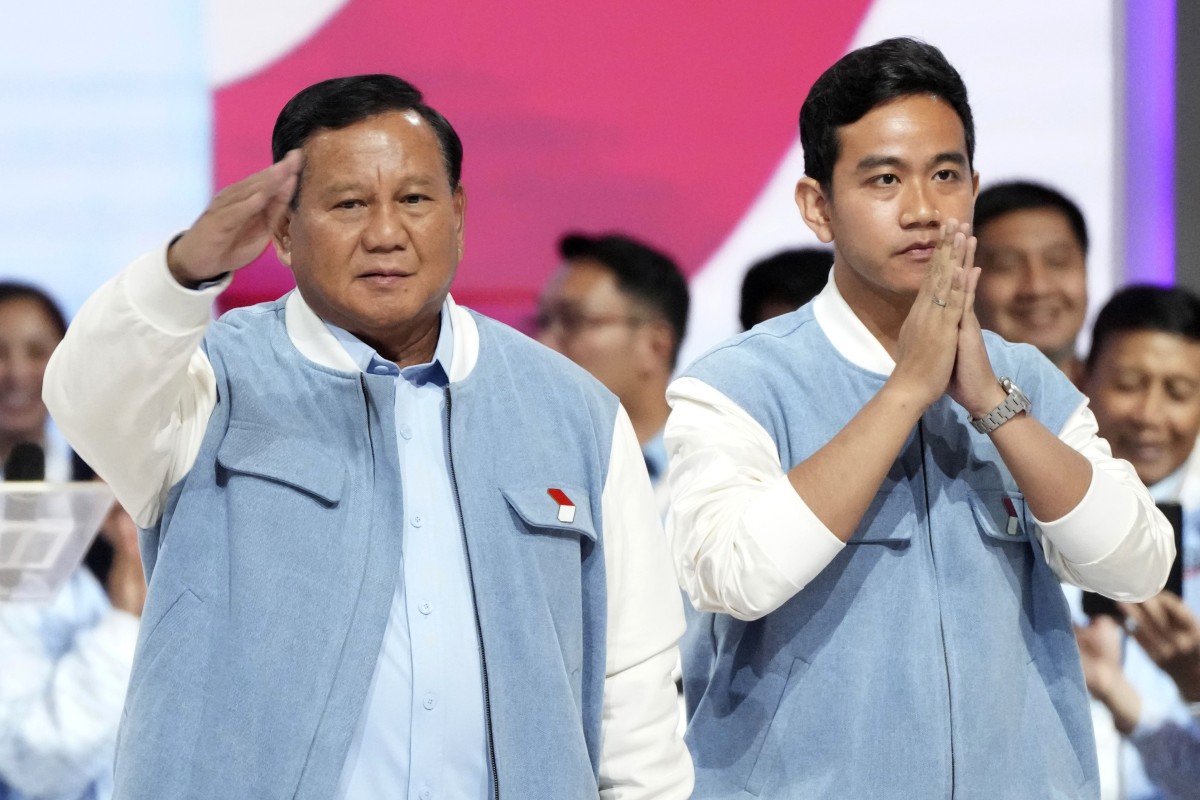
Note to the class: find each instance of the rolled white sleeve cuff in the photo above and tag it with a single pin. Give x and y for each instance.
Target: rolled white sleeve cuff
(162, 301)
(790, 535)
(1094, 529)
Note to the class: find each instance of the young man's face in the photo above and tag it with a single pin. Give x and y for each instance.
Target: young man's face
(1144, 389)
(1033, 287)
(901, 173)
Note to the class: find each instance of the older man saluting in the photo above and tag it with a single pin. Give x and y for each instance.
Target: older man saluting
(385, 551)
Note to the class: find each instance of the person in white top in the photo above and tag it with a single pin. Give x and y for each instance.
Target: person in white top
(64, 665)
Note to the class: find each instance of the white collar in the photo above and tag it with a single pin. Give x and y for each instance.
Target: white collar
(847, 332)
(317, 344)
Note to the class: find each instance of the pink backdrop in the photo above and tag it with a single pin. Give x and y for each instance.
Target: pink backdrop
(663, 120)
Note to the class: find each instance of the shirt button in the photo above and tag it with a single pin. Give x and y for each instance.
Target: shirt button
(429, 702)
(379, 369)
(418, 521)
(426, 608)
(426, 794)
(406, 431)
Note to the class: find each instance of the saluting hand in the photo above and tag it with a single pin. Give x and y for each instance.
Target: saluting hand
(237, 225)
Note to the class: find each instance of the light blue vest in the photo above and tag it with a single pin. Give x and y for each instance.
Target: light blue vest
(934, 657)
(274, 564)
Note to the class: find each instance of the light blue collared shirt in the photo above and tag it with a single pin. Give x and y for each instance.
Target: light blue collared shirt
(421, 733)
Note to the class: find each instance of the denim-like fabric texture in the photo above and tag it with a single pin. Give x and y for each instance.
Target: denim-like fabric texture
(934, 657)
(275, 562)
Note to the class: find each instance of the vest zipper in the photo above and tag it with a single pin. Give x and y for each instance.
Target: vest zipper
(941, 624)
(487, 702)
(362, 382)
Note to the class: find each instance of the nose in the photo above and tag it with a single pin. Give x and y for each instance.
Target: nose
(919, 210)
(21, 368)
(1150, 407)
(1036, 279)
(385, 230)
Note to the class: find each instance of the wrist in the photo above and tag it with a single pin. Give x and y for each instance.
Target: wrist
(980, 406)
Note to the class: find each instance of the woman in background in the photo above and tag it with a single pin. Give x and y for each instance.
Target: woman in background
(64, 665)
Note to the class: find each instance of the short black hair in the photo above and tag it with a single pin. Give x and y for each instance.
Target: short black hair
(14, 290)
(869, 77)
(341, 102)
(1143, 307)
(1004, 198)
(642, 272)
(790, 277)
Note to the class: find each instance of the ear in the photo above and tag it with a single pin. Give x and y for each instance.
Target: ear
(814, 207)
(281, 237)
(460, 217)
(974, 186)
(658, 339)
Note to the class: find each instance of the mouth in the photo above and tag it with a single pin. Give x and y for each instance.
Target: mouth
(385, 276)
(921, 251)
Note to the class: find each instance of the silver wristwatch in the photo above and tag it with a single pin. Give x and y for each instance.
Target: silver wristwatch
(1016, 402)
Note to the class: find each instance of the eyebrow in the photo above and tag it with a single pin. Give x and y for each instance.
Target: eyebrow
(875, 162)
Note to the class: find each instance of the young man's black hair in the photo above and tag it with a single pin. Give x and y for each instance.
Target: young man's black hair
(870, 77)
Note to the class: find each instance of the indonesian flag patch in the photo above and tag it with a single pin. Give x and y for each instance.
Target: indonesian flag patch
(566, 509)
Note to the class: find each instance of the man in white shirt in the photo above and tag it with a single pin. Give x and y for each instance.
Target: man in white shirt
(877, 501)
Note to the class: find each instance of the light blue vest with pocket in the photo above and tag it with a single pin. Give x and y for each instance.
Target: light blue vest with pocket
(934, 657)
(275, 562)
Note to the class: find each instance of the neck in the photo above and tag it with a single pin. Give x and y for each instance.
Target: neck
(882, 314)
(415, 344)
(647, 408)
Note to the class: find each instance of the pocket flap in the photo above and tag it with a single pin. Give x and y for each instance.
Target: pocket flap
(1000, 515)
(543, 507)
(293, 462)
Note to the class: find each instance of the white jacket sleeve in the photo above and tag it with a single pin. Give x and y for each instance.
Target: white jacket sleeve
(1115, 541)
(642, 754)
(744, 542)
(129, 386)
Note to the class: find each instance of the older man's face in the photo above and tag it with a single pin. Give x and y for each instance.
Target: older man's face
(1144, 388)
(377, 233)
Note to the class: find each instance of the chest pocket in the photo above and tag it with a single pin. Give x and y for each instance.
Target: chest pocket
(1002, 516)
(544, 513)
(297, 463)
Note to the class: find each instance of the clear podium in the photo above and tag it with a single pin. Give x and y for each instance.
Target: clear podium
(45, 530)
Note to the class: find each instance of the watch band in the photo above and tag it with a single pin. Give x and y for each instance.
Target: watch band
(1016, 402)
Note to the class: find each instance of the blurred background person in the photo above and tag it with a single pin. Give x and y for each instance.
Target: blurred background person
(783, 282)
(1143, 380)
(1033, 245)
(64, 666)
(618, 308)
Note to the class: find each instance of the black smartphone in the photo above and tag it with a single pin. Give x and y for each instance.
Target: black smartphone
(1097, 604)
